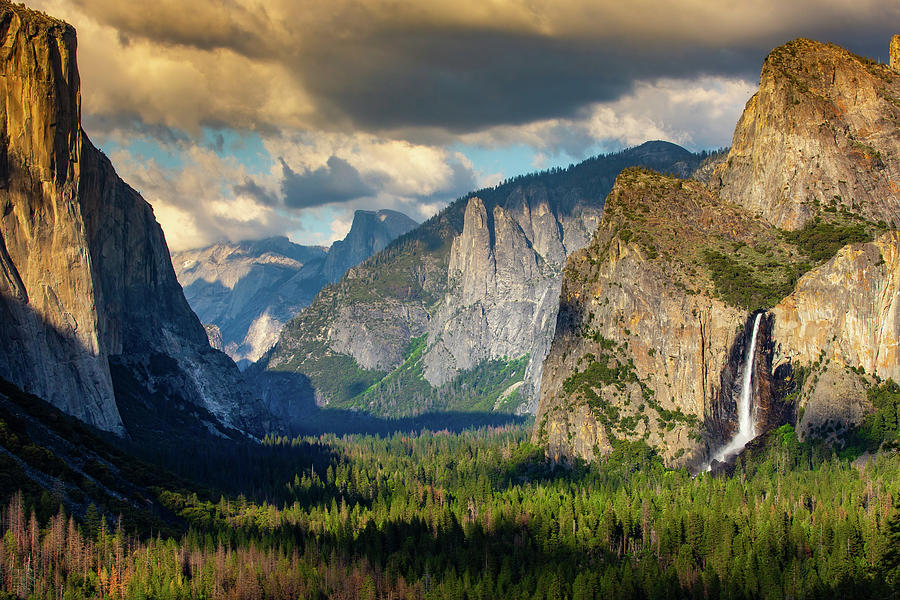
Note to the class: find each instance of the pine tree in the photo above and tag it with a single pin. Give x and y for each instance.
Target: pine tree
(891, 560)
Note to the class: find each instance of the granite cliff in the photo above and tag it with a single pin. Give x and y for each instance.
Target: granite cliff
(842, 342)
(52, 336)
(645, 340)
(467, 298)
(822, 131)
(799, 221)
(82, 254)
(251, 289)
(370, 232)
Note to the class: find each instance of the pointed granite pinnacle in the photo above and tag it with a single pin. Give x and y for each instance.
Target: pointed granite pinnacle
(895, 52)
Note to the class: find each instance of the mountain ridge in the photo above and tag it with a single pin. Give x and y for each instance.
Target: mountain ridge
(358, 330)
(249, 289)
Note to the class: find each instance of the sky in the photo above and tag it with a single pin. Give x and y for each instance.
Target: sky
(242, 119)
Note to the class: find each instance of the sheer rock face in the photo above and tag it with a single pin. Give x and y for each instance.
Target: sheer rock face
(632, 302)
(86, 275)
(895, 52)
(503, 286)
(52, 337)
(370, 232)
(368, 332)
(843, 315)
(822, 129)
(214, 335)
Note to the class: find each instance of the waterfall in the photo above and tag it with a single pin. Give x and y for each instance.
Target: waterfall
(746, 423)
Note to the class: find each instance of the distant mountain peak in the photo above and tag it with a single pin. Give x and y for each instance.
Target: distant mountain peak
(249, 289)
(370, 232)
(658, 146)
(382, 215)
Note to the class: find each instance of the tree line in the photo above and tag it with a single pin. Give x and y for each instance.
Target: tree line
(482, 514)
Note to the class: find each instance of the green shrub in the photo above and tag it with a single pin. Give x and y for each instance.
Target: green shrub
(820, 240)
(741, 284)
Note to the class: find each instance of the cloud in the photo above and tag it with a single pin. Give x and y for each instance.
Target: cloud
(340, 226)
(249, 187)
(336, 182)
(698, 114)
(385, 173)
(193, 203)
(201, 196)
(126, 126)
(357, 103)
(204, 25)
(410, 69)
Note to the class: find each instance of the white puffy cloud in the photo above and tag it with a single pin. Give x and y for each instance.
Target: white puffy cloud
(200, 196)
(192, 203)
(697, 114)
(413, 178)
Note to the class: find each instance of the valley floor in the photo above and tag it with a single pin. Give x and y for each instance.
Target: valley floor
(481, 514)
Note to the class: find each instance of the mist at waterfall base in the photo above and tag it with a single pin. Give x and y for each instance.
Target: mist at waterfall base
(746, 422)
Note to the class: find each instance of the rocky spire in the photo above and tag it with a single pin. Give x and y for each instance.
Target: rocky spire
(895, 52)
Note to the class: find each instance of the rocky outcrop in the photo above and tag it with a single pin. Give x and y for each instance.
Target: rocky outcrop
(214, 335)
(858, 329)
(367, 332)
(711, 161)
(895, 53)
(644, 349)
(87, 279)
(837, 336)
(503, 287)
(822, 131)
(370, 232)
(481, 279)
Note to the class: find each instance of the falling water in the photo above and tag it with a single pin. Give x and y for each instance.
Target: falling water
(746, 423)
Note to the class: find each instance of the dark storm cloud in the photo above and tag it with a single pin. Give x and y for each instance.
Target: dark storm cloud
(206, 25)
(459, 67)
(337, 182)
(465, 81)
(250, 188)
